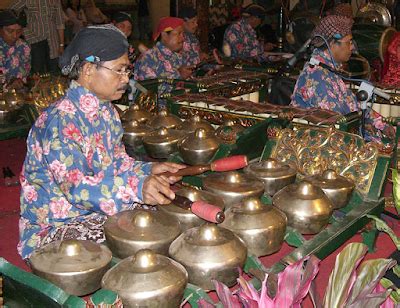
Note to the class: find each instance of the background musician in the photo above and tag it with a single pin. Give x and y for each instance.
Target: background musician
(320, 87)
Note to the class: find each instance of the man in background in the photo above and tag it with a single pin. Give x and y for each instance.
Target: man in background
(15, 53)
(44, 32)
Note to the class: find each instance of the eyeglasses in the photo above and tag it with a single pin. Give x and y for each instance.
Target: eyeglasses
(121, 73)
(350, 42)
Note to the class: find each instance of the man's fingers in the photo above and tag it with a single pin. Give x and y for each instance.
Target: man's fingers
(156, 191)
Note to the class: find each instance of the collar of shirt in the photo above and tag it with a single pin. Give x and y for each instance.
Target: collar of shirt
(324, 57)
(75, 91)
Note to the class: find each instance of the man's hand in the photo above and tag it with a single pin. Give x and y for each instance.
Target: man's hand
(185, 71)
(159, 168)
(156, 190)
(269, 46)
(203, 56)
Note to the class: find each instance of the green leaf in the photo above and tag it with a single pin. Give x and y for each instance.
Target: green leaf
(340, 280)
(56, 145)
(369, 273)
(383, 227)
(85, 194)
(396, 189)
(105, 192)
(396, 270)
(395, 296)
(69, 160)
(118, 181)
(386, 283)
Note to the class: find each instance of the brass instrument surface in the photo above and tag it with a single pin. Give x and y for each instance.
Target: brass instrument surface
(313, 150)
(218, 109)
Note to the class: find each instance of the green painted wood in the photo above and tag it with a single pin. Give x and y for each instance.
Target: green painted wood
(24, 289)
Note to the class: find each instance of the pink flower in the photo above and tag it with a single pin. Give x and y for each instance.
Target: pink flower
(90, 106)
(37, 150)
(124, 193)
(72, 132)
(58, 169)
(106, 114)
(46, 147)
(126, 165)
(60, 208)
(168, 66)
(133, 182)
(93, 180)
(379, 124)
(22, 224)
(15, 62)
(66, 106)
(30, 194)
(74, 176)
(41, 120)
(108, 207)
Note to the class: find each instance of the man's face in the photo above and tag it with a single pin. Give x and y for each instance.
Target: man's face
(191, 25)
(342, 49)
(10, 34)
(173, 39)
(125, 26)
(254, 21)
(109, 80)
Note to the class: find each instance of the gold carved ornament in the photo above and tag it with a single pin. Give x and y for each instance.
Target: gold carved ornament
(314, 150)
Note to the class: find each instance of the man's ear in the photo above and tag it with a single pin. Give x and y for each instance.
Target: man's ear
(87, 69)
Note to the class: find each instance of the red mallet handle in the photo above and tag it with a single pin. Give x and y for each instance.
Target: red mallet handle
(208, 211)
(230, 163)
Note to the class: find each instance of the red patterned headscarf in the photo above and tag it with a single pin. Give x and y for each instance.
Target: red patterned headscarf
(167, 24)
(343, 9)
(332, 26)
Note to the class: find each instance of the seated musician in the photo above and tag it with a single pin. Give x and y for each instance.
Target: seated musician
(76, 171)
(123, 21)
(15, 53)
(318, 86)
(191, 46)
(164, 59)
(241, 36)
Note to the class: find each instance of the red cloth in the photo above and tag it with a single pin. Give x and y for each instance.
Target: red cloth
(167, 24)
(391, 72)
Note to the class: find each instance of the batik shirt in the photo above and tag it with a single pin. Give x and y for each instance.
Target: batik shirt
(191, 49)
(242, 40)
(15, 61)
(159, 62)
(76, 165)
(318, 87)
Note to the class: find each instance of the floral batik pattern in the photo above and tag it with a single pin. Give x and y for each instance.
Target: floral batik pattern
(190, 50)
(318, 87)
(243, 42)
(15, 61)
(76, 165)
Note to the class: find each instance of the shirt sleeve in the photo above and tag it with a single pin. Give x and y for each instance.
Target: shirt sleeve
(89, 181)
(145, 68)
(18, 5)
(59, 16)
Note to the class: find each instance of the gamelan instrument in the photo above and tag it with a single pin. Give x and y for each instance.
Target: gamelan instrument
(224, 164)
(201, 209)
(216, 109)
(147, 279)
